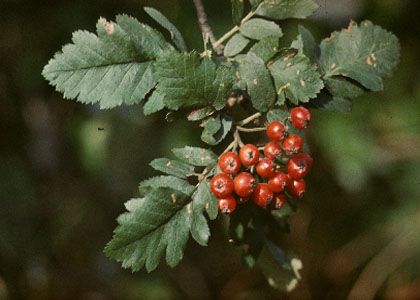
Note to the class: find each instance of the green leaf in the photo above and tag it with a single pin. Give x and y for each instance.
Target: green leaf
(146, 230)
(216, 129)
(259, 28)
(341, 87)
(172, 182)
(196, 156)
(266, 48)
(277, 115)
(154, 225)
(330, 103)
(176, 36)
(186, 80)
(254, 3)
(258, 81)
(223, 83)
(172, 167)
(204, 199)
(286, 9)
(365, 53)
(237, 10)
(296, 78)
(235, 45)
(281, 272)
(305, 43)
(112, 67)
(200, 114)
(148, 42)
(153, 104)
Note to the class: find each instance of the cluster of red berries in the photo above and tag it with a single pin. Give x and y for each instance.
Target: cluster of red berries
(280, 171)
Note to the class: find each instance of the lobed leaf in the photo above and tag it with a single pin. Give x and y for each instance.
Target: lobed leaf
(365, 53)
(147, 230)
(112, 67)
(296, 78)
(158, 224)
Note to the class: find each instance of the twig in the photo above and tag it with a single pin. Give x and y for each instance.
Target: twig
(237, 138)
(205, 27)
(233, 30)
(249, 119)
(256, 129)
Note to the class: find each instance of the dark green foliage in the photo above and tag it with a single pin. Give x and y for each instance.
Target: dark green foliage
(128, 62)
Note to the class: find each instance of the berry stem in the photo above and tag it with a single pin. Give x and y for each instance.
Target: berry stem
(249, 119)
(237, 138)
(256, 129)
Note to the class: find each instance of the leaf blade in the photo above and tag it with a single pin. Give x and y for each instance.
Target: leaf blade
(296, 78)
(286, 9)
(196, 156)
(110, 68)
(258, 81)
(363, 52)
(258, 29)
(176, 36)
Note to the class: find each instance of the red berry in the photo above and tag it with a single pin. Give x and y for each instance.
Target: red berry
(278, 182)
(249, 155)
(221, 185)
(266, 168)
(296, 188)
(292, 144)
(272, 150)
(279, 200)
(229, 163)
(262, 195)
(299, 165)
(227, 205)
(276, 131)
(300, 117)
(244, 184)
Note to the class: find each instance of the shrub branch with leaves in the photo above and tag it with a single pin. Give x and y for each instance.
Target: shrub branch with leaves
(249, 78)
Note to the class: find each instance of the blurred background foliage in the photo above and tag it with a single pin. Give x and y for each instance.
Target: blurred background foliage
(63, 181)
